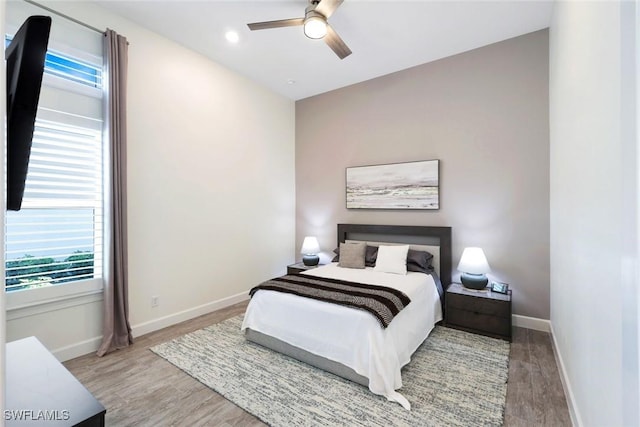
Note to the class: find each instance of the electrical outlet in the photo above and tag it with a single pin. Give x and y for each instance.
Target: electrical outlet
(155, 300)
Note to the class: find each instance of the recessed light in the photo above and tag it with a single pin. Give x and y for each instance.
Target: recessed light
(291, 82)
(232, 36)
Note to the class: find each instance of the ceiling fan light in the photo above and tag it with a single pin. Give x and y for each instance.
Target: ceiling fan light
(315, 27)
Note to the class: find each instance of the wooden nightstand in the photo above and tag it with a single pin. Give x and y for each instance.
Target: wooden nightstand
(482, 312)
(300, 267)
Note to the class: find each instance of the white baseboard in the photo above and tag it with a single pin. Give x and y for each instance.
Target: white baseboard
(91, 345)
(530, 323)
(77, 349)
(566, 385)
(181, 316)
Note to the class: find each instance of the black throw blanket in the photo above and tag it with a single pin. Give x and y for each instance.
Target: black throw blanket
(382, 302)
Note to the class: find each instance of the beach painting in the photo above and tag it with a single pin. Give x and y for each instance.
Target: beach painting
(412, 185)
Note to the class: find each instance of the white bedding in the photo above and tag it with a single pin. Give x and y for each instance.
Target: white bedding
(349, 336)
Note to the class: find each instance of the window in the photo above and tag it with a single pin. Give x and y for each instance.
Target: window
(75, 70)
(56, 238)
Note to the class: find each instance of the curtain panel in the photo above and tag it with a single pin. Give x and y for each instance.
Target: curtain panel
(117, 330)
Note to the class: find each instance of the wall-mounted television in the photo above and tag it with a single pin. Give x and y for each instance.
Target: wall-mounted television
(25, 66)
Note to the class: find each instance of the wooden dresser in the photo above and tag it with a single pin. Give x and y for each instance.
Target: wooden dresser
(482, 312)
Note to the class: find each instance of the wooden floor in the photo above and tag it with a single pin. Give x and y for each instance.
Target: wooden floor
(535, 396)
(139, 388)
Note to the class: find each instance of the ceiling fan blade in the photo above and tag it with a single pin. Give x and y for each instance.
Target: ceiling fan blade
(276, 24)
(336, 44)
(327, 7)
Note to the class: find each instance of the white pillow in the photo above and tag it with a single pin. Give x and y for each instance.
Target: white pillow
(392, 259)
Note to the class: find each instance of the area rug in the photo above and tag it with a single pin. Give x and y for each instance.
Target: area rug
(454, 379)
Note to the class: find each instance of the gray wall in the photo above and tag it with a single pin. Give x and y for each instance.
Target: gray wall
(484, 114)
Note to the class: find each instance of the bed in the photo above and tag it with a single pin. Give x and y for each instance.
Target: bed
(348, 342)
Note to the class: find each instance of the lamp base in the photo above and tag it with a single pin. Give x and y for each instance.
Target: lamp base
(310, 260)
(474, 281)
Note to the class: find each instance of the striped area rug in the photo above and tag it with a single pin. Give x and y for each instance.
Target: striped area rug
(454, 379)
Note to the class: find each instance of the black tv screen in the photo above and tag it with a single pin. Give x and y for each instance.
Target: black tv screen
(25, 66)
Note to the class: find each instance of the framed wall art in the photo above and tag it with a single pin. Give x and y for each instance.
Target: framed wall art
(412, 185)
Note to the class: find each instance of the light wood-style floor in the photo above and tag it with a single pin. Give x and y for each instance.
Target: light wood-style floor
(139, 388)
(535, 396)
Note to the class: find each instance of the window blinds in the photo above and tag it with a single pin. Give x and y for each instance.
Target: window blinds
(57, 236)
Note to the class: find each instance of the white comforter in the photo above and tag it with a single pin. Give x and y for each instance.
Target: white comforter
(350, 336)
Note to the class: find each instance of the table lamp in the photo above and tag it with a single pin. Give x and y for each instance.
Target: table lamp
(309, 251)
(474, 266)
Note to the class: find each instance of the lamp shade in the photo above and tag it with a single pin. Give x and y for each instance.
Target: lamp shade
(310, 246)
(473, 261)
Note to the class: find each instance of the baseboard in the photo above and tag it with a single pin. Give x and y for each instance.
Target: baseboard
(566, 384)
(530, 323)
(91, 345)
(78, 349)
(181, 316)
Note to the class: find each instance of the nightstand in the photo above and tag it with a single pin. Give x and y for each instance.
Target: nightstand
(482, 312)
(300, 267)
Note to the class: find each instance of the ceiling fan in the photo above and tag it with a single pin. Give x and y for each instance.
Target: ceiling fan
(314, 23)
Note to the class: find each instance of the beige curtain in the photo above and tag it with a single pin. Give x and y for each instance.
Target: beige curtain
(117, 331)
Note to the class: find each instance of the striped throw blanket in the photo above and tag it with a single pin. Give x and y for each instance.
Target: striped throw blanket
(382, 302)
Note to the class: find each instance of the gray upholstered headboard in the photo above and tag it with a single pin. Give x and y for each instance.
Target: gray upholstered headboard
(408, 234)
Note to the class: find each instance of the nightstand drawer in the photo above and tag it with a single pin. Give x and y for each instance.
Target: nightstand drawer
(478, 305)
(486, 313)
(479, 321)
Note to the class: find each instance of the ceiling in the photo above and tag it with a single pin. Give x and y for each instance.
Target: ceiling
(385, 36)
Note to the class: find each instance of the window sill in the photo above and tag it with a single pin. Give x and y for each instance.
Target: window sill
(51, 298)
